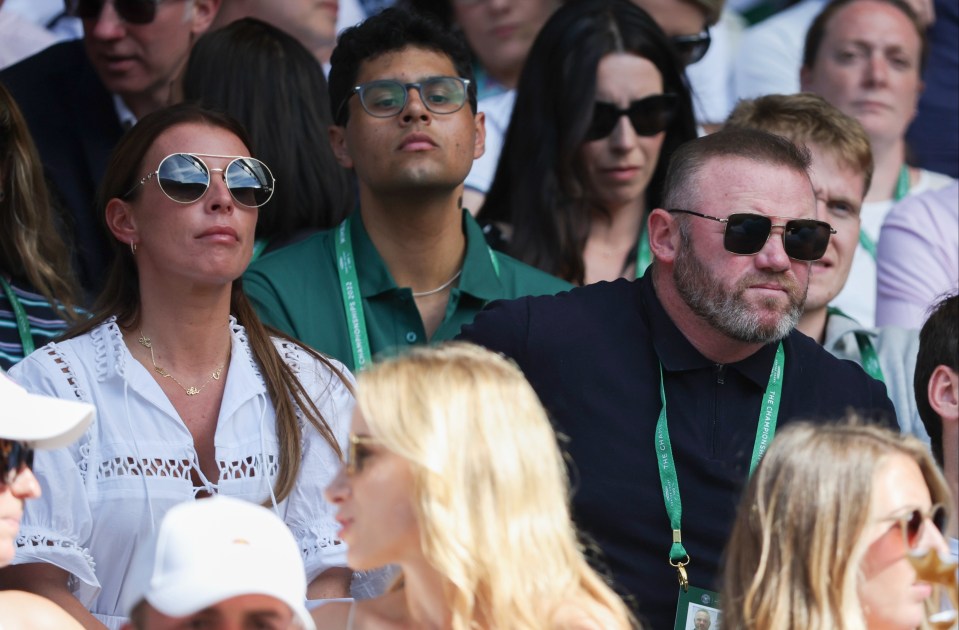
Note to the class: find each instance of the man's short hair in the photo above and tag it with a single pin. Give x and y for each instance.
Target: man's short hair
(682, 190)
(391, 30)
(938, 345)
(805, 119)
(817, 30)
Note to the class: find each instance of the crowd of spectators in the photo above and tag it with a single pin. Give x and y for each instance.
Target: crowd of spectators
(712, 255)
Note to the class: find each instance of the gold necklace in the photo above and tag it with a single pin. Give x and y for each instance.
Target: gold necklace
(193, 390)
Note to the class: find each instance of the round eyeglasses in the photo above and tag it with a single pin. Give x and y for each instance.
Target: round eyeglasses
(386, 98)
(185, 178)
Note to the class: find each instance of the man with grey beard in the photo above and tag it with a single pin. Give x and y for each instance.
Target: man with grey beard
(707, 336)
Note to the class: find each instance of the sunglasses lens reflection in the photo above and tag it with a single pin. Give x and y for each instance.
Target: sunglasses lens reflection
(183, 178)
(249, 182)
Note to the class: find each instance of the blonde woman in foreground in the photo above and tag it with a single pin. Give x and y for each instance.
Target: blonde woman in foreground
(824, 529)
(454, 475)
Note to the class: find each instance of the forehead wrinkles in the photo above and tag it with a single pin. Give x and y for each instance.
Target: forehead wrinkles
(740, 184)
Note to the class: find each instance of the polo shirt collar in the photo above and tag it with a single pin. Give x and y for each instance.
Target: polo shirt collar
(677, 354)
(479, 278)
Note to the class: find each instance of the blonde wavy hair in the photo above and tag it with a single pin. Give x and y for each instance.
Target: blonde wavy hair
(793, 558)
(490, 490)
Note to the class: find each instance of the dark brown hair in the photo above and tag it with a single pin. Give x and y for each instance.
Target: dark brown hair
(121, 295)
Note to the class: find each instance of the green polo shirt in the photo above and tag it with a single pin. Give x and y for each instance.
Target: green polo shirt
(297, 290)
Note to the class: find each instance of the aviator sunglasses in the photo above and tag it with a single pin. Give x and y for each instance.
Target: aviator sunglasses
(649, 116)
(746, 233)
(15, 457)
(911, 522)
(185, 177)
(386, 98)
(131, 11)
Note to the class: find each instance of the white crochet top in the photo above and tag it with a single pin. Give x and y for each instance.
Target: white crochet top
(105, 494)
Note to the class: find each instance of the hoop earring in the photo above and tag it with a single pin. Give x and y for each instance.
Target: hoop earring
(133, 248)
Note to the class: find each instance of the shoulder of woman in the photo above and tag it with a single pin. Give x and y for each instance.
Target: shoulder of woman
(21, 610)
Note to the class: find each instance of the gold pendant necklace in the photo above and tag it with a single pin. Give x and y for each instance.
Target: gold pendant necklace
(193, 390)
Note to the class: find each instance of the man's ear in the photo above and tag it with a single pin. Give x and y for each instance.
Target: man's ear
(340, 149)
(121, 222)
(663, 230)
(943, 391)
(204, 12)
(479, 147)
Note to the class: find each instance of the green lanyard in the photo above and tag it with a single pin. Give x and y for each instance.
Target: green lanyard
(23, 325)
(902, 189)
(644, 257)
(765, 430)
(353, 300)
(867, 352)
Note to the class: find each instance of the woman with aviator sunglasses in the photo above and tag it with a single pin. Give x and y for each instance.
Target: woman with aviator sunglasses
(601, 106)
(824, 529)
(195, 396)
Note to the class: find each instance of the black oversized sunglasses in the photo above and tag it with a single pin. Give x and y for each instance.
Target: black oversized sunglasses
(185, 177)
(746, 234)
(15, 457)
(649, 116)
(692, 48)
(132, 11)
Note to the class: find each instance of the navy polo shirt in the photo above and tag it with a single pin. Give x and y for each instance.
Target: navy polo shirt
(593, 356)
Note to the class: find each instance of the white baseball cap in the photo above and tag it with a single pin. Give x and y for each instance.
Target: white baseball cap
(40, 421)
(210, 550)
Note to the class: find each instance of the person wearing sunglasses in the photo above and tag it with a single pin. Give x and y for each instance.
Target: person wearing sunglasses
(454, 474)
(29, 423)
(601, 106)
(825, 527)
(670, 387)
(841, 172)
(195, 396)
(79, 96)
(410, 265)
(233, 69)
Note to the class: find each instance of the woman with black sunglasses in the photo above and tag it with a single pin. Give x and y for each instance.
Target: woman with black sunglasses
(831, 529)
(195, 396)
(28, 423)
(601, 106)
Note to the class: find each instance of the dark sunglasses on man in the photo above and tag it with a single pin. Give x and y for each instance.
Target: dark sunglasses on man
(648, 116)
(131, 11)
(746, 233)
(691, 48)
